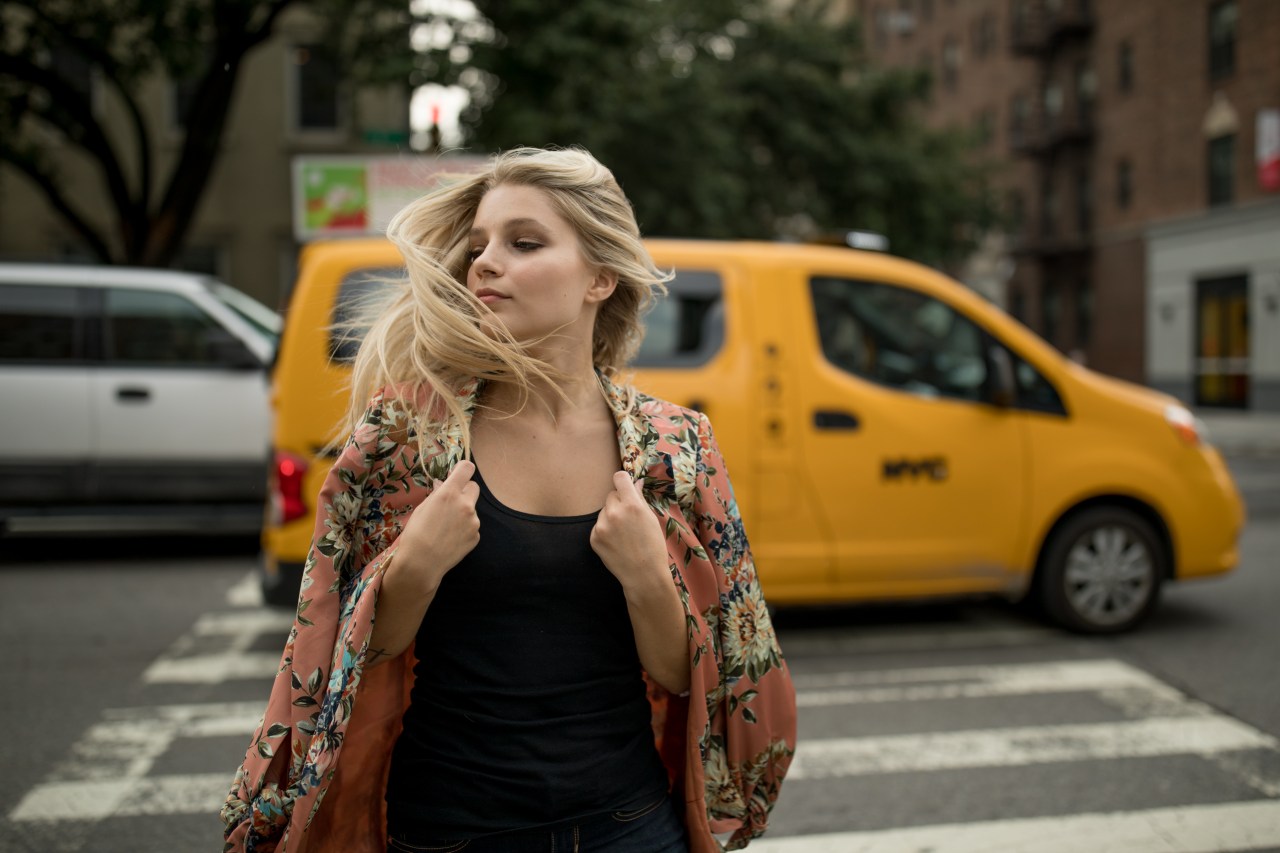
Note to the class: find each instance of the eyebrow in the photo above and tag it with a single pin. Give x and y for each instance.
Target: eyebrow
(513, 223)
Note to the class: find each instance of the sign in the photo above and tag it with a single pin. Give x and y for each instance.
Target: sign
(356, 196)
(1268, 145)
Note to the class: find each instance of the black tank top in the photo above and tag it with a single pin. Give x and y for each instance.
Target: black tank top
(527, 706)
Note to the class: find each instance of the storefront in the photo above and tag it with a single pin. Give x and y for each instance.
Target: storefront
(1213, 308)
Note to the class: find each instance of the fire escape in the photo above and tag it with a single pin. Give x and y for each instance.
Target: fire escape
(1054, 126)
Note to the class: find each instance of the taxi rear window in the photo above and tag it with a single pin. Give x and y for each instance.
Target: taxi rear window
(357, 288)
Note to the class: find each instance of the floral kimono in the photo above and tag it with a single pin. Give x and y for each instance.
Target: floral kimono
(726, 744)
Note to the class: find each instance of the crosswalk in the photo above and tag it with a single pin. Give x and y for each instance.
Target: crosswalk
(1142, 766)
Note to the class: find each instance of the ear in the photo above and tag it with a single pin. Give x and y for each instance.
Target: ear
(602, 286)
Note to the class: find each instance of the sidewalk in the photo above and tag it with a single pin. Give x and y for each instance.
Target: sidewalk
(1243, 434)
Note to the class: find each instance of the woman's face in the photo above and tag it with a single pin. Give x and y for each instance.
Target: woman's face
(527, 267)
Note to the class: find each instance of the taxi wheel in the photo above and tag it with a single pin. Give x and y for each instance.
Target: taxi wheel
(1102, 571)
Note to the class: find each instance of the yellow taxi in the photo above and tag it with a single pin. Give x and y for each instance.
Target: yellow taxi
(891, 435)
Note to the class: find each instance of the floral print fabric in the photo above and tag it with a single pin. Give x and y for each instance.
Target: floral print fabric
(726, 745)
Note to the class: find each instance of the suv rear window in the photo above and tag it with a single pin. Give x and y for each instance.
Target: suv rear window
(41, 324)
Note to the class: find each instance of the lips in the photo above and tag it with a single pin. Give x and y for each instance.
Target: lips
(489, 296)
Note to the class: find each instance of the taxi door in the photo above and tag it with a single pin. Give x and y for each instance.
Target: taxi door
(922, 481)
(701, 350)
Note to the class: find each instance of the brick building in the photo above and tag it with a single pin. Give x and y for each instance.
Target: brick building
(1138, 153)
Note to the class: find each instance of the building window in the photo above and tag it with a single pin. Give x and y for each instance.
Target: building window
(1222, 169)
(1018, 304)
(1016, 212)
(1124, 184)
(316, 104)
(1084, 313)
(1222, 39)
(950, 62)
(1049, 209)
(1086, 87)
(1125, 63)
(1018, 117)
(1051, 100)
(1084, 202)
(1050, 310)
(984, 127)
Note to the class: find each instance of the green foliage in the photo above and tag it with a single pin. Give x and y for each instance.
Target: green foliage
(722, 118)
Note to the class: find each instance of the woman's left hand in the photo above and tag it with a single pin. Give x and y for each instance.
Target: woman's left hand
(628, 537)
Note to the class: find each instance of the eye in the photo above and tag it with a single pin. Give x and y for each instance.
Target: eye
(526, 245)
(474, 252)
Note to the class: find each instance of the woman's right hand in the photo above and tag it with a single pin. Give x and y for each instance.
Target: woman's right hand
(441, 530)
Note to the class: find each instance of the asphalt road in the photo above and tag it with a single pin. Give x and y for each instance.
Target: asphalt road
(133, 679)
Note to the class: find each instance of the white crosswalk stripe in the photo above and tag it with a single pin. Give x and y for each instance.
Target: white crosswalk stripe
(115, 769)
(1188, 829)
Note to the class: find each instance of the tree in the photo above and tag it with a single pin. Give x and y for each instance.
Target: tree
(722, 118)
(44, 43)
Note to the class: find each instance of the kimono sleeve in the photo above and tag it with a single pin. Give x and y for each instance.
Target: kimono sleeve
(350, 529)
(752, 714)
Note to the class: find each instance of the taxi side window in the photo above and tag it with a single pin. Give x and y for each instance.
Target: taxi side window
(1035, 393)
(686, 327)
(355, 290)
(41, 325)
(899, 338)
(156, 328)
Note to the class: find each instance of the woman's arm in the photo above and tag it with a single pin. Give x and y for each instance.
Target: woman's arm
(440, 532)
(628, 538)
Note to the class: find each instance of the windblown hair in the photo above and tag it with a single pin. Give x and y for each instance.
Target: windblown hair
(427, 332)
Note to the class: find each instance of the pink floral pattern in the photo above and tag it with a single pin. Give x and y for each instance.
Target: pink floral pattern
(329, 725)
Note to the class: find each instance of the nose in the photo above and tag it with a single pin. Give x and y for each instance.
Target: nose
(484, 264)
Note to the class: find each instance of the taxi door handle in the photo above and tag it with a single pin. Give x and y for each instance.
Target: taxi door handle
(825, 419)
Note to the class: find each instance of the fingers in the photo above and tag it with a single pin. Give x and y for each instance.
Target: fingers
(626, 488)
(458, 477)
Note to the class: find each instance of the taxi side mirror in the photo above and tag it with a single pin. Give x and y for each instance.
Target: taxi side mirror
(1003, 391)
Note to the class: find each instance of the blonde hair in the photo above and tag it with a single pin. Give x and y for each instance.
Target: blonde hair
(425, 332)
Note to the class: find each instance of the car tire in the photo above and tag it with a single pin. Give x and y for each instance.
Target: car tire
(1102, 571)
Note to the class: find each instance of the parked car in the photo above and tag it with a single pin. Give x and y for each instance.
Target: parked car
(891, 434)
(134, 401)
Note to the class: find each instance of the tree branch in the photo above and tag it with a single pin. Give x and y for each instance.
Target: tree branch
(45, 181)
(98, 54)
(84, 128)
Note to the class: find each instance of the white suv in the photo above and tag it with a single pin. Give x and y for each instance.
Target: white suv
(131, 400)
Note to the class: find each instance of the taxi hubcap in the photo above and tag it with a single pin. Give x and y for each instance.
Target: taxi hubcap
(1109, 575)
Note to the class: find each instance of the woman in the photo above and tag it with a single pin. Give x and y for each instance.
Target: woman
(529, 619)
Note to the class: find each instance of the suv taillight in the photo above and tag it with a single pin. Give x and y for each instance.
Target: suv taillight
(288, 474)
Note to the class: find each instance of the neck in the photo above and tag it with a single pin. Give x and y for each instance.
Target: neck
(575, 389)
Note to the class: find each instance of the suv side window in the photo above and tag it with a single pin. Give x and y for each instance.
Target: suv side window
(41, 324)
(686, 327)
(899, 338)
(156, 328)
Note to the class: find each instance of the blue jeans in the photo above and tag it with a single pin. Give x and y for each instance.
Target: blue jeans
(656, 828)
